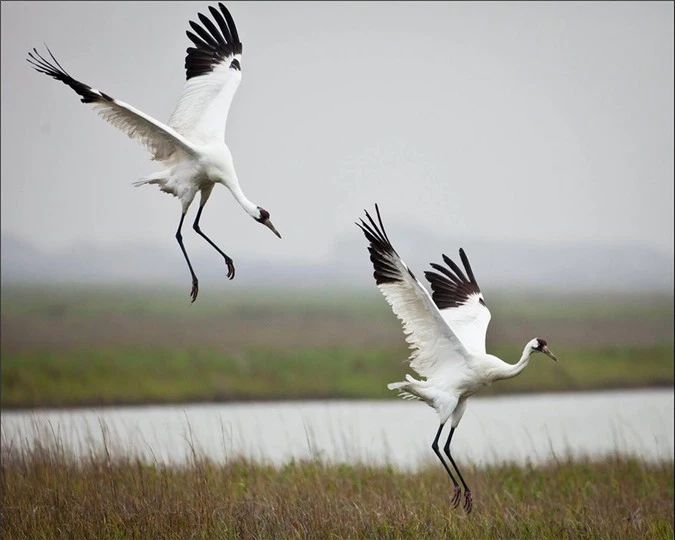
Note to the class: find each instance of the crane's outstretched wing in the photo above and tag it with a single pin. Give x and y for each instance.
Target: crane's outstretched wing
(460, 301)
(213, 73)
(158, 138)
(434, 344)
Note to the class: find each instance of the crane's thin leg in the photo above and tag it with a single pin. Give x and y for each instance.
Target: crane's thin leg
(468, 500)
(195, 281)
(195, 226)
(458, 492)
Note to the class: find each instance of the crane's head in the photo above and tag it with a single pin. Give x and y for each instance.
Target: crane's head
(263, 216)
(540, 345)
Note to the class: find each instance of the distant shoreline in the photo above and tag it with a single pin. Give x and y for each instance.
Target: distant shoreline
(223, 400)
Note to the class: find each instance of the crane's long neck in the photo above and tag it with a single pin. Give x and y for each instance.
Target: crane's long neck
(508, 371)
(251, 209)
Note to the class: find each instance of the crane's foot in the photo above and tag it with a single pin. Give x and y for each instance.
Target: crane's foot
(456, 497)
(195, 290)
(230, 267)
(468, 501)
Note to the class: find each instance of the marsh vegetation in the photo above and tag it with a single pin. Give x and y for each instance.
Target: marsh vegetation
(46, 494)
(98, 346)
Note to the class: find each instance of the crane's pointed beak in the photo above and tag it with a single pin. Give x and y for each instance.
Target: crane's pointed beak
(267, 223)
(549, 354)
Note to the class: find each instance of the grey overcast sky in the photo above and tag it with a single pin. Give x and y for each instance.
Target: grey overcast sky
(545, 122)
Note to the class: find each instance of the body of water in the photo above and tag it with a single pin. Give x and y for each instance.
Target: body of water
(518, 428)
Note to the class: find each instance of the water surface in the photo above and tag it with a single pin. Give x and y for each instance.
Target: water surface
(494, 429)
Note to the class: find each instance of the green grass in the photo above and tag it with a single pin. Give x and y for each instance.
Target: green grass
(112, 345)
(116, 376)
(46, 495)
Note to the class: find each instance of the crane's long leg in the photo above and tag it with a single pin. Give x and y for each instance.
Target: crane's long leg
(468, 500)
(195, 226)
(458, 492)
(195, 281)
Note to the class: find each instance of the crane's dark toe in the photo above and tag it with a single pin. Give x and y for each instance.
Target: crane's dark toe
(230, 268)
(468, 502)
(195, 290)
(456, 497)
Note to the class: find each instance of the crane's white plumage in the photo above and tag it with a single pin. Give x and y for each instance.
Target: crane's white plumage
(201, 113)
(213, 76)
(461, 303)
(446, 331)
(191, 147)
(158, 138)
(432, 340)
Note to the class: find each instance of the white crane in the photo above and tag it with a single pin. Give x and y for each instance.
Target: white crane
(191, 147)
(447, 334)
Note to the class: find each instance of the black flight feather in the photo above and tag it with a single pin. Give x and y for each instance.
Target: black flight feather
(382, 253)
(86, 92)
(212, 44)
(451, 288)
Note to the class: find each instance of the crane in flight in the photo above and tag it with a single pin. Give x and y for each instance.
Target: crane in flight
(191, 146)
(446, 332)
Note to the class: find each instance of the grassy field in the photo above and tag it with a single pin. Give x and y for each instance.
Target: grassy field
(81, 346)
(121, 376)
(45, 495)
(92, 346)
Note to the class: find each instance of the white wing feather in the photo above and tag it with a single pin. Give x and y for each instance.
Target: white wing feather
(434, 344)
(201, 112)
(461, 302)
(159, 139)
(469, 322)
(213, 72)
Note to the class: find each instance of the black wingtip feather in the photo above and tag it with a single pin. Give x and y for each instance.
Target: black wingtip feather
(447, 272)
(222, 24)
(214, 31)
(54, 58)
(451, 288)
(382, 253)
(42, 65)
(199, 43)
(467, 266)
(456, 269)
(213, 44)
(209, 39)
(230, 21)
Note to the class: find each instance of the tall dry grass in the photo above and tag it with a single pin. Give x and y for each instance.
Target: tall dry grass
(47, 494)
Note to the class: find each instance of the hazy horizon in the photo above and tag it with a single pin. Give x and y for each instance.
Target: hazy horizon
(499, 266)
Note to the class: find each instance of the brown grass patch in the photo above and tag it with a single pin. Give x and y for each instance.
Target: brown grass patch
(47, 495)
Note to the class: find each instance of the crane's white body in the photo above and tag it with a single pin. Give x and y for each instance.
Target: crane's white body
(186, 175)
(453, 369)
(191, 146)
(200, 158)
(448, 392)
(446, 332)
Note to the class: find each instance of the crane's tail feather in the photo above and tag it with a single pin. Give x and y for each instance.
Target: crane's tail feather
(156, 178)
(168, 182)
(144, 181)
(410, 389)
